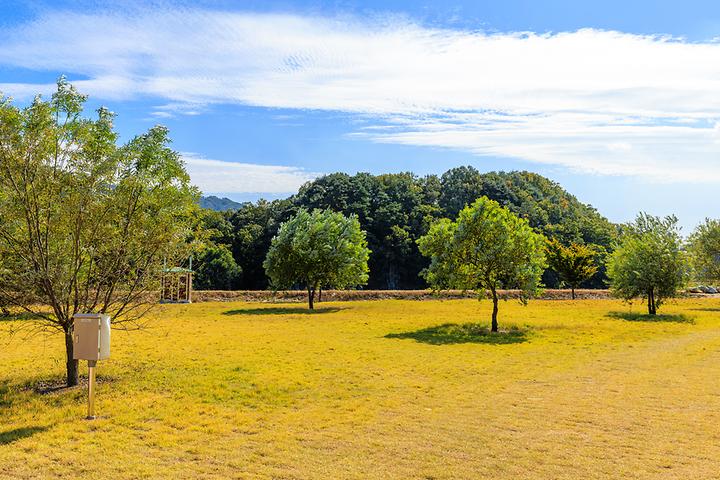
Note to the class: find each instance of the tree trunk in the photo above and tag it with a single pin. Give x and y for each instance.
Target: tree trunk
(71, 365)
(494, 325)
(311, 298)
(654, 304)
(319, 295)
(652, 310)
(572, 293)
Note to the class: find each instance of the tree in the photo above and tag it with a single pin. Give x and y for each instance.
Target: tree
(649, 261)
(253, 227)
(704, 248)
(85, 224)
(216, 269)
(574, 264)
(318, 249)
(487, 248)
(393, 209)
(459, 187)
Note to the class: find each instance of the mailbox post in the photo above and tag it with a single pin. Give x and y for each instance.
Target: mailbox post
(91, 342)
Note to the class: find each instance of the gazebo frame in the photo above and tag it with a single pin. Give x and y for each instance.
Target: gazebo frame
(176, 285)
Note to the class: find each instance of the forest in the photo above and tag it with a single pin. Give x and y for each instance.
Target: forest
(395, 210)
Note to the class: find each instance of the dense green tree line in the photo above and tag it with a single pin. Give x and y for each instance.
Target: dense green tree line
(395, 210)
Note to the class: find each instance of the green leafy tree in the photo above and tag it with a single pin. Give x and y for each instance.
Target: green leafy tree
(216, 269)
(253, 226)
(704, 248)
(318, 249)
(85, 224)
(487, 248)
(649, 261)
(394, 210)
(459, 187)
(574, 264)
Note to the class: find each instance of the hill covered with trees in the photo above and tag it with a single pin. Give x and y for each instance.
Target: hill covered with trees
(397, 209)
(220, 204)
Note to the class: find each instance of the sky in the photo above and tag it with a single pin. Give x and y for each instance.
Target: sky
(618, 101)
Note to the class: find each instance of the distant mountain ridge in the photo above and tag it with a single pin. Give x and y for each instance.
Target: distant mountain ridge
(219, 204)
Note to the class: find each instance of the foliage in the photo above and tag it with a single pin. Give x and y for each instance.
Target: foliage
(216, 269)
(318, 249)
(574, 264)
(649, 261)
(548, 208)
(487, 248)
(85, 225)
(252, 228)
(704, 248)
(397, 209)
(460, 187)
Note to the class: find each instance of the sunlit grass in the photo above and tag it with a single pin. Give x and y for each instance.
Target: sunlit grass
(377, 389)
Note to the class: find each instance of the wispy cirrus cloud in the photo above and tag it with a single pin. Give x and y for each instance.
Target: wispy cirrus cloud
(592, 101)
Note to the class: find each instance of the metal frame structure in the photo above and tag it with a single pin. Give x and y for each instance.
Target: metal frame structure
(176, 285)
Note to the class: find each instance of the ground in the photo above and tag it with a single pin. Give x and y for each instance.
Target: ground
(372, 390)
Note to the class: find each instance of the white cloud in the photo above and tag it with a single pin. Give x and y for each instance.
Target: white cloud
(178, 108)
(592, 101)
(213, 176)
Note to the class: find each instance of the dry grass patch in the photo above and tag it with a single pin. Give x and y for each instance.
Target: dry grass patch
(377, 389)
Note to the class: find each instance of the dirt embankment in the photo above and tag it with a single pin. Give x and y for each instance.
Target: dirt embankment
(348, 295)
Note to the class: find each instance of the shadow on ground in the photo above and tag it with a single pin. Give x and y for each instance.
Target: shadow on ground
(452, 333)
(16, 434)
(10, 317)
(59, 385)
(706, 309)
(281, 311)
(643, 317)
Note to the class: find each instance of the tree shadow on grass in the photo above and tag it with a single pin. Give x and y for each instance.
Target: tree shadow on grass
(16, 434)
(11, 317)
(643, 317)
(453, 333)
(58, 385)
(706, 309)
(281, 311)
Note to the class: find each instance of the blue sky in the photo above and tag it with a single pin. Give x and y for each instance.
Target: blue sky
(617, 101)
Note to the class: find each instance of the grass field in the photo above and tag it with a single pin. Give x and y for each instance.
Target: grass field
(585, 389)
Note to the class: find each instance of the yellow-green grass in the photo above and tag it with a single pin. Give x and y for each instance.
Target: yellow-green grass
(243, 390)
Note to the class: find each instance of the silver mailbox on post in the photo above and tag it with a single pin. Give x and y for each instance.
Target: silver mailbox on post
(91, 342)
(91, 336)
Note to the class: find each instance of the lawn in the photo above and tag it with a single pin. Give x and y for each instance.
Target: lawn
(377, 389)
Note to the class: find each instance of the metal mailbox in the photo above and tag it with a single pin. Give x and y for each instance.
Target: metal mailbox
(91, 336)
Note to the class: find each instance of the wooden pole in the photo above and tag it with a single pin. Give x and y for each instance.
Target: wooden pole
(91, 389)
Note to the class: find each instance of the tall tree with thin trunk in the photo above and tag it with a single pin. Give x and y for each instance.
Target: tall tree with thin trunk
(318, 249)
(649, 262)
(574, 264)
(85, 224)
(488, 248)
